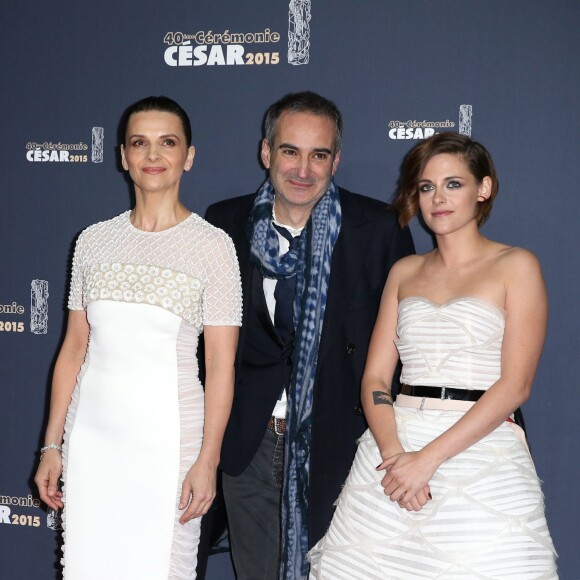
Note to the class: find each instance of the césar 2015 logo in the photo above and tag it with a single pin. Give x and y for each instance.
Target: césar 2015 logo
(61, 152)
(219, 49)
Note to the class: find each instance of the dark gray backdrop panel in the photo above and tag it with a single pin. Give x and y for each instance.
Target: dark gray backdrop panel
(69, 67)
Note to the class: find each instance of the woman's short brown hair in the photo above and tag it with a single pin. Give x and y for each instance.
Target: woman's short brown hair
(475, 155)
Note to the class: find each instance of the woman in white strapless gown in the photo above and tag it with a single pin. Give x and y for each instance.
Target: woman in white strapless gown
(141, 441)
(443, 485)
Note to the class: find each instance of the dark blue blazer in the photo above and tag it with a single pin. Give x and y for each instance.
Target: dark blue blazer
(370, 241)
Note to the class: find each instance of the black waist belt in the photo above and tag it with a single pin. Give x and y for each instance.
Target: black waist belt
(441, 392)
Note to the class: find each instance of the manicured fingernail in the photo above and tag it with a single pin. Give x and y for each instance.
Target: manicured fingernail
(430, 496)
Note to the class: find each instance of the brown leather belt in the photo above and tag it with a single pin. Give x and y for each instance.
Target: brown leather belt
(277, 425)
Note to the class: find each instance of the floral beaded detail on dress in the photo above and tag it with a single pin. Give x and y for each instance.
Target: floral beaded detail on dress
(140, 284)
(189, 269)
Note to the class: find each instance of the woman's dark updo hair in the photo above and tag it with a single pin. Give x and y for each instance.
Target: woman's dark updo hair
(162, 104)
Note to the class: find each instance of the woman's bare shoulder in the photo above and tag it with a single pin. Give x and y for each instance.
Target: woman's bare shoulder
(520, 271)
(404, 270)
(516, 258)
(409, 264)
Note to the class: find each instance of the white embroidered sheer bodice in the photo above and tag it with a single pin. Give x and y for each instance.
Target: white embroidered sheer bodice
(134, 426)
(486, 519)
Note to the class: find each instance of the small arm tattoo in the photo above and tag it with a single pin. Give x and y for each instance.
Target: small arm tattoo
(382, 398)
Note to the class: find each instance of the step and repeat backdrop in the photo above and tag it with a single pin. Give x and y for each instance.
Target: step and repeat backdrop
(503, 71)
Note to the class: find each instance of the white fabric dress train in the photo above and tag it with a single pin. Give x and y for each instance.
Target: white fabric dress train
(486, 519)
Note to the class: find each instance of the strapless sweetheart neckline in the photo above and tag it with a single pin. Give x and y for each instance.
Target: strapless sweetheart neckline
(452, 301)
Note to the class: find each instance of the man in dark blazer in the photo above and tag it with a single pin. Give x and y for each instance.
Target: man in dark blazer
(301, 150)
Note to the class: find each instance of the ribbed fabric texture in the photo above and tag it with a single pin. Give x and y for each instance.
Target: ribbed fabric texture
(486, 519)
(191, 412)
(455, 344)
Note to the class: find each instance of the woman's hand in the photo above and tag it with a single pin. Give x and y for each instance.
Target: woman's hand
(47, 476)
(197, 491)
(407, 478)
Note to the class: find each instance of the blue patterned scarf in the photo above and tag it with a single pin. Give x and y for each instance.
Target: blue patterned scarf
(310, 262)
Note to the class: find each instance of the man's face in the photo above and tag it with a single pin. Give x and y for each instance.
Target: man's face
(301, 161)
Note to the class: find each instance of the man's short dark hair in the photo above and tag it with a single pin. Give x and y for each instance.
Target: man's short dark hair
(304, 102)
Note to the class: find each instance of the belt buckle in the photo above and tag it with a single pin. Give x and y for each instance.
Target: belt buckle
(277, 422)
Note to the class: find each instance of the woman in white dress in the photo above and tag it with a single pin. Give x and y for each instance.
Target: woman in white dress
(139, 454)
(443, 485)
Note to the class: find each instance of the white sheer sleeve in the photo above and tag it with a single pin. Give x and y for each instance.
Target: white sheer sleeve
(75, 297)
(222, 300)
